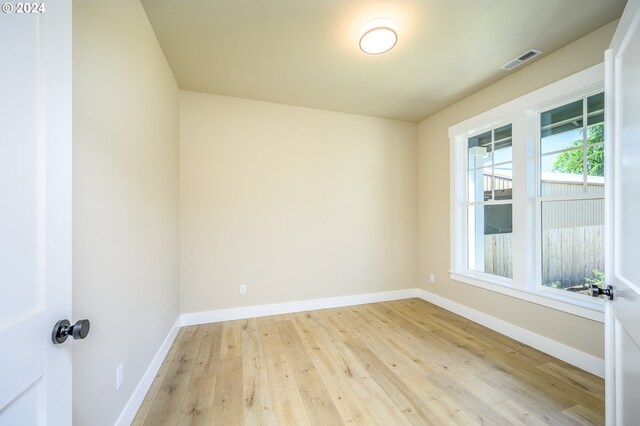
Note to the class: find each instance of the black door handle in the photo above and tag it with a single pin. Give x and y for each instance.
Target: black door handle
(64, 329)
(597, 291)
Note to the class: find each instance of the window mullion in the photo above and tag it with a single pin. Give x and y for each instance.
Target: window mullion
(492, 178)
(585, 164)
(519, 200)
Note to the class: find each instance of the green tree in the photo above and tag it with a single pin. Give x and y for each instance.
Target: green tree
(571, 161)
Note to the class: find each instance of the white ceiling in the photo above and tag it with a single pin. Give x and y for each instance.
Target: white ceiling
(305, 52)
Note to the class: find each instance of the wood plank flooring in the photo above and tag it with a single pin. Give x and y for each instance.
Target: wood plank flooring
(405, 362)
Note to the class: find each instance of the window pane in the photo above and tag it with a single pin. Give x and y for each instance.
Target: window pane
(562, 119)
(498, 219)
(560, 141)
(595, 161)
(503, 181)
(573, 244)
(479, 157)
(480, 181)
(595, 109)
(502, 134)
(595, 133)
(480, 149)
(491, 147)
(503, 154)
(483, 139)
(562, 174)
(502, 144)
(490, 239)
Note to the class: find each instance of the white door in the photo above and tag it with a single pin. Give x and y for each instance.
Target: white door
(623, 314)
(35, 212)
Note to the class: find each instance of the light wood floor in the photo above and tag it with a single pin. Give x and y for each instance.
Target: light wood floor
(402, 362)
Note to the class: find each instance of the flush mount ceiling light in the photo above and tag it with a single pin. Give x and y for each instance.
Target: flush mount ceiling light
(378, 36)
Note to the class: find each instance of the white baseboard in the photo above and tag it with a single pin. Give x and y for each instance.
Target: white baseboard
(290, 307)
(135, 401)
(556, 349)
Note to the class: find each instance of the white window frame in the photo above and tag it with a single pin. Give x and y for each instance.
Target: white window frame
(523, 114)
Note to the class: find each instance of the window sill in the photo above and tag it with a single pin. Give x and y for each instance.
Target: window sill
(593, 310)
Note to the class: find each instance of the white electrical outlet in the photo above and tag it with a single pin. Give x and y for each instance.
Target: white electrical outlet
(119, 376)
(243, 289)
(432, 278)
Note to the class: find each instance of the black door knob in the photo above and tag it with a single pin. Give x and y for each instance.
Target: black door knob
(64, 329)
(597, 291)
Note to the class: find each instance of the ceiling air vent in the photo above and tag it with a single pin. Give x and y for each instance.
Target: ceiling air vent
(521, 59)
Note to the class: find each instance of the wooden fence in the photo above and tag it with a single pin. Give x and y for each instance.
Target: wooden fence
(498, 259)
(569, 254)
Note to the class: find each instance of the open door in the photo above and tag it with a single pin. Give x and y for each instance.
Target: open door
(35, 211)
(622, 315)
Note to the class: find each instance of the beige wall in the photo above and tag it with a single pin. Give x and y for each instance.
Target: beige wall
(296, 203)
(434, 209)
(125, 202)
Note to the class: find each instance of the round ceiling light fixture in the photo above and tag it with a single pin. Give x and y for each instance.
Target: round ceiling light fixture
(378, 36)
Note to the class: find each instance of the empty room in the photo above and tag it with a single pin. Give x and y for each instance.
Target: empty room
(319, 212)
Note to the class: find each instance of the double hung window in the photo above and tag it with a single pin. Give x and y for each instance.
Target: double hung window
(528, 196)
